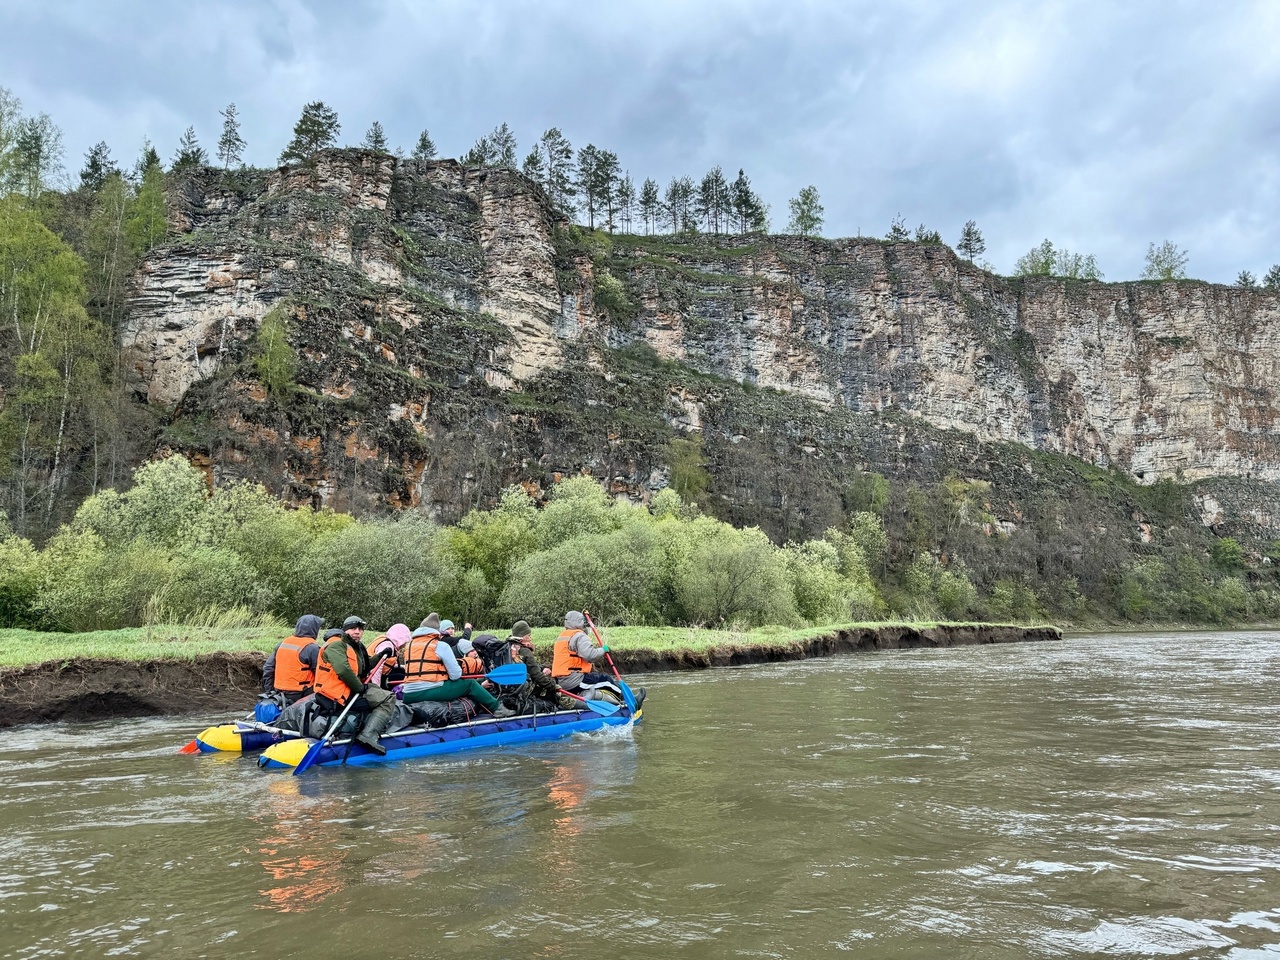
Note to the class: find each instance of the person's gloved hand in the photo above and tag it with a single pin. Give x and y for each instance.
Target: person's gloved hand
(604, 647)
(363, 688)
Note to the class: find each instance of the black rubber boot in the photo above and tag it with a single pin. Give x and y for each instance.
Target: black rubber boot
(373, 746)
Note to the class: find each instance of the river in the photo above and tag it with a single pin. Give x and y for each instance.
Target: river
(1111, 795)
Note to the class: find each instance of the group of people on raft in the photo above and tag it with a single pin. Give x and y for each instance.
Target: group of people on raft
(431, 676)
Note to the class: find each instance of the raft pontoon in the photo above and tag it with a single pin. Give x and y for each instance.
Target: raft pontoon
(412, 742)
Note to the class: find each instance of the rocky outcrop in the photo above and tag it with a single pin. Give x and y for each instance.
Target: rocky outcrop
(1174, 379)
(442, 316)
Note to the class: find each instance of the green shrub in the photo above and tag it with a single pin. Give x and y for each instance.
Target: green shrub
(89, 587)
(611, 297)
(618, 575)
(940, 591)
(1013, 601)
(1227, 554)
(386, 571)
(19, 581)
(578, 507)
(818, 589)
(732, 576)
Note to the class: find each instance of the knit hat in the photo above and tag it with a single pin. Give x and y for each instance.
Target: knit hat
(574, 620)
(446, 625)
(521, 628)
(398, 634)
(330, 634)
(465, 647)
(431, 620)
(426, 632)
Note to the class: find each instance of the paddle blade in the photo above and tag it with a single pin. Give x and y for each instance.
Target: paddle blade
(627, 695)
(309, 758)
(602, 707)
(191, 747)
(509, 674)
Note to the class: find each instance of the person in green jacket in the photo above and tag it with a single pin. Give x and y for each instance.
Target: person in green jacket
(521, 641)
(344, 663)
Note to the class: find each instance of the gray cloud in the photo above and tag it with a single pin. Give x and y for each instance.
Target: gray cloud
(1102, 126)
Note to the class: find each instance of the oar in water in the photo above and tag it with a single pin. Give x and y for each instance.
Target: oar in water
(627, 695)
(601, 707)
(310, 757)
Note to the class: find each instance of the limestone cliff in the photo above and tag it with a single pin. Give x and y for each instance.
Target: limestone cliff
(444, 316)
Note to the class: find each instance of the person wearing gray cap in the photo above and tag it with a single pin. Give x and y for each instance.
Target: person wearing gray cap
(341, 674)
(573, 657)
(354, 628)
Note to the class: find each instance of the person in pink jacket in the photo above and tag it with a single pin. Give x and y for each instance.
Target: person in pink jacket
(392, 641)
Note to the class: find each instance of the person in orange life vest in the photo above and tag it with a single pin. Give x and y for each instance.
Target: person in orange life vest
(574, 654)
(432, 672)
(344, 662)
(390, 643)
(471, 662)
(290, 670)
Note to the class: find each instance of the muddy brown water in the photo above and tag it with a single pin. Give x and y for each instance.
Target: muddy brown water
(1101, 796)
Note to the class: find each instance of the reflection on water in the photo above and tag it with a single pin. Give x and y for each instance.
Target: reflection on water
(1107, 796)
(300, 850)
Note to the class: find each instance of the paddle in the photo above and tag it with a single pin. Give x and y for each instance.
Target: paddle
(627, 695)
(310, 757)
(595, 706)
(508, 674)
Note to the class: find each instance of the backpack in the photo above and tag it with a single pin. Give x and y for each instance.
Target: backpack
(493, 652)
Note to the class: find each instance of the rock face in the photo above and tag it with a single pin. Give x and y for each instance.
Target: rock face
(438, 311)
(1174, 379)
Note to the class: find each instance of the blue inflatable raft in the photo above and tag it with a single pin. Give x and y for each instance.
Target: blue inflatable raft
(413, 742)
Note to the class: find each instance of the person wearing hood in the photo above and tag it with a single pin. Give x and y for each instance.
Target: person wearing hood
(290, 670)
(391, 642)
(343, 673)
(432, 668)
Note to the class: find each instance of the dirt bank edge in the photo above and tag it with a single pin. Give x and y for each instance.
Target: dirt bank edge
(85, 689)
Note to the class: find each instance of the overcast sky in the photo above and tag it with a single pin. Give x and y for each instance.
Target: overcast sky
(1101, 125)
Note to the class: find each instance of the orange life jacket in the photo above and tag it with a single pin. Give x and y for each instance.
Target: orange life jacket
(388, 663)
(565, 661)
(471, 664)
(291, 673)
(327, 680)
(421, 662)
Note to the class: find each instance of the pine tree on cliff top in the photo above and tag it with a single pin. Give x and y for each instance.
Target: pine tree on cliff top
(98, 165)
(971, 245)
(189, 152)
(316, 129)
(375, 138)
(560, 174)
(748, 210)
(650, 204)
(230, 144)
(425, 148)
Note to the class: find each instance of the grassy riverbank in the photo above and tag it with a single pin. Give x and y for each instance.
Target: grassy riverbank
(20, 648)
(169, 671)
